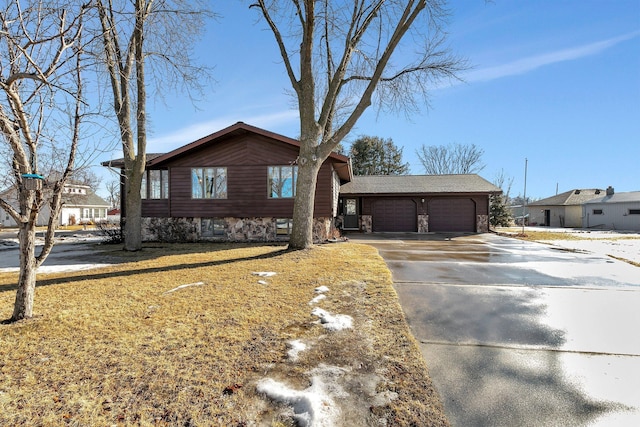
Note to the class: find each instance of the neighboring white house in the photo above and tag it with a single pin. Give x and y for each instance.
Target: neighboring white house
(80, 205)
(614, 211)
(562, 210)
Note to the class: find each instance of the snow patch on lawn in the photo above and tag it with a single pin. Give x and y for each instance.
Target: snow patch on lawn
(297, 347)
(314, 406)
(184, 286)
(317, 299)
(264, 273)
(333, 322)
(321, 289)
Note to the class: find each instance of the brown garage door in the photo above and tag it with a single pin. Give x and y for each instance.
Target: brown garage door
(397, 215)
(455, 214)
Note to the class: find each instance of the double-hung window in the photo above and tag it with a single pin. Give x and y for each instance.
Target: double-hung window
(282, 181)
(209, 183)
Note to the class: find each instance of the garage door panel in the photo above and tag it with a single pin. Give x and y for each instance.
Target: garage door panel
(452, 214)
(396, 215)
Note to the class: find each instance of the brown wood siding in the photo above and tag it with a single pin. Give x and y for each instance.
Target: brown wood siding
(246, 159)
(155, 208)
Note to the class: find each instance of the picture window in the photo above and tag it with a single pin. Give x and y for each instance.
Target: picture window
(209, 183)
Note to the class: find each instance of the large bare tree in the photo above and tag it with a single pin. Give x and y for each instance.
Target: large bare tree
(451, 159)
(40, 113)
(343, 56)
(137, 33)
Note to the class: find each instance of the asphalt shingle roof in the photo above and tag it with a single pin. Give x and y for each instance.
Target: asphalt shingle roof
(418, 184)
(627, 197)
(91, 199)
(570, 198)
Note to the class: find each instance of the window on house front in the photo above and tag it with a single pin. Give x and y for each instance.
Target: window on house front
(155, 184)
(283, 226)
(282, 181)
(209, 183)
(634, 211)
(597, 212)
(211, 227)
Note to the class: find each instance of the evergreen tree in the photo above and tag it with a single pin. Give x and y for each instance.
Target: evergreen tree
(372, 155)
(499, 214)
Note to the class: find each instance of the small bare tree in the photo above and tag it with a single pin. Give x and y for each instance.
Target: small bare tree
(40, 112)
(134, 31)
(451, 159)
(343, 56)
(113, 193)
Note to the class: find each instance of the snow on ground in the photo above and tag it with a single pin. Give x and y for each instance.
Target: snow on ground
(297, 347)
(68, 248)
(184, 286)
(619, 248)
(620, 244)
(264, 273)
(314, 406)
(333, 322)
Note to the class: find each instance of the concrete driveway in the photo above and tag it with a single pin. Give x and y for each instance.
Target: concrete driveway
(520, 334)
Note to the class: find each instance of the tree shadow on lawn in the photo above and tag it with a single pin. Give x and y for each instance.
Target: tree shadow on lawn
(151, 252)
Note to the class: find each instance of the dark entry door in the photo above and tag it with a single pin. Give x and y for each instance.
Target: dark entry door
(547, 217)
(350, 214)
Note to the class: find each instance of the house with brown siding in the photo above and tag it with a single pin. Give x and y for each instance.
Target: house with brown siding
(238, 184)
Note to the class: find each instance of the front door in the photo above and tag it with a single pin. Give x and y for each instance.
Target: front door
(350, 214)
(547, 217)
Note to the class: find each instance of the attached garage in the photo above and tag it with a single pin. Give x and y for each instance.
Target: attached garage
(418, 203)
(452, 214)
(399, 215)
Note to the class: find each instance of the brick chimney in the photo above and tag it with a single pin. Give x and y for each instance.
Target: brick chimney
(610, 191)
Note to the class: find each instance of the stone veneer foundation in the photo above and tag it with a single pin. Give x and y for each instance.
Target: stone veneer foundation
(231, 230)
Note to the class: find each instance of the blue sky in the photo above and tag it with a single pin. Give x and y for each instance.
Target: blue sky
(555, 82)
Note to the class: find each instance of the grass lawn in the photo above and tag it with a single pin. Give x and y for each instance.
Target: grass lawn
(122, 346)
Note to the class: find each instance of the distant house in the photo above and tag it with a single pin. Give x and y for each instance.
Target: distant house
(239, 184)
(614, 211)
(561, 210)
(80, 205)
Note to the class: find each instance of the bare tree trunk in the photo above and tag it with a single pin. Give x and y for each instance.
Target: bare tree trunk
(133, 209)
(23, 307)
(302, 231)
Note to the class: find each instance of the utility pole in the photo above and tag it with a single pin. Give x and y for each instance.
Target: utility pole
(524, 203)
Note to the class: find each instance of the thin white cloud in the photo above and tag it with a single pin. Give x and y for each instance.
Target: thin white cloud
(195, 131)
(531, 63)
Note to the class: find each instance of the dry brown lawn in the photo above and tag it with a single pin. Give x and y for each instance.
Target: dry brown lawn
(111, 347)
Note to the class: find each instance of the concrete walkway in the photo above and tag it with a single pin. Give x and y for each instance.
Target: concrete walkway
(520, 334)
